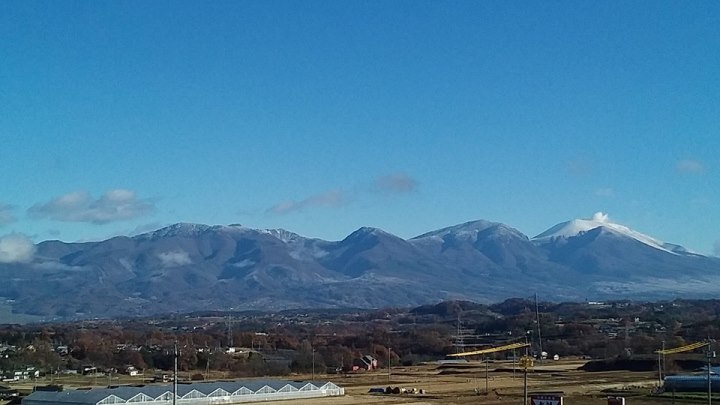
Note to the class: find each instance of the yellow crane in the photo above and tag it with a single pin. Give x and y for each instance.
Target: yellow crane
(490, 350)
(687, 348)
(681, 349)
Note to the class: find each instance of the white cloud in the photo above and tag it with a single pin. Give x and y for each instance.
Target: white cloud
(174, 259)
(80, 206)
(605, 192)
(600, 217)
(716, 248)
(396, 183)
(690, 166)
(332, 198)
(16, 248)
(6, 215)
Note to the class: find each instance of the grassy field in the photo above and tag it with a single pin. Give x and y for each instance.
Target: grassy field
(465, 384)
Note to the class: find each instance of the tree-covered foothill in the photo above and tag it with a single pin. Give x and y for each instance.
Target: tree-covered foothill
(256, 344)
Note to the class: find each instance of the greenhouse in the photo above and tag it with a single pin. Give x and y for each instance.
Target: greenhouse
(688, 383)
(200, 393)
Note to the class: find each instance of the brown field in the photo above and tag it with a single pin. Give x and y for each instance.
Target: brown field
(465, 384)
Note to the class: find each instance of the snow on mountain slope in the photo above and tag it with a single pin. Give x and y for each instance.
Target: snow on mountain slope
(468, 231)
(189, 230)
(575, 227)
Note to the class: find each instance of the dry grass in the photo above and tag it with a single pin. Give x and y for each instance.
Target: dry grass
(448, 385)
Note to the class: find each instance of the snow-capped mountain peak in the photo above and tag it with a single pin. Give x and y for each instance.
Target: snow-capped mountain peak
(576, 227)
(284, 235)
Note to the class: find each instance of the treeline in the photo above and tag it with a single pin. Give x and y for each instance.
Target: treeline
(302, 342)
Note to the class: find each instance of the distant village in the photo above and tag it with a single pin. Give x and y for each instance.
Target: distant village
(335, 342)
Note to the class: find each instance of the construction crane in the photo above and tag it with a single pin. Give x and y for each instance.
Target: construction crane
(490, 350)
(687, 348)
(681, 349)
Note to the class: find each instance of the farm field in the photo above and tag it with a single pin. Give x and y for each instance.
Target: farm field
(465, 384)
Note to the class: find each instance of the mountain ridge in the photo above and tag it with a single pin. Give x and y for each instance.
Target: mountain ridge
(187, 267)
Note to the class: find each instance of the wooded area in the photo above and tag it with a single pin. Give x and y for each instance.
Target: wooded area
(256, 344)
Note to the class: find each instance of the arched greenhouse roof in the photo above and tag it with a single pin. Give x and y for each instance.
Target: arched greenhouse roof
(197, 392)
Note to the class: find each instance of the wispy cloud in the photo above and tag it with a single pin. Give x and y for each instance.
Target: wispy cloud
(579, 167)
(396, 183)
(690, 166)
(716, 248)
(605, 192)
(143, 228)
(174, 258)
(56, 266)
(332, 198)
(6, 215)
(80, 206)
(16, 248)
(391, 184)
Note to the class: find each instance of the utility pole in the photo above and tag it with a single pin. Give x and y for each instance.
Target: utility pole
(663, 357)
(175, 373)
(313, 364)
(709, 353)
(388, 358)
(537, 317)
(525, 363)
(661, 364)
(486, 375)
(229, 323)
(525, 394)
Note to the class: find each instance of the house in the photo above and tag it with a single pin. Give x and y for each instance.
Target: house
(365, 363)
(6, 350)
(88, 369)
(18, 375)
(240, 351)
(131, 371)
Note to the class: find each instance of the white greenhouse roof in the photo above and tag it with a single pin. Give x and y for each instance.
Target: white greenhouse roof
(197, 392)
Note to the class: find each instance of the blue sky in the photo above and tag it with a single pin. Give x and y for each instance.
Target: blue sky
(323, 116)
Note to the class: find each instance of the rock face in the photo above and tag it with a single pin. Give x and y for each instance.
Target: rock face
(191, 267)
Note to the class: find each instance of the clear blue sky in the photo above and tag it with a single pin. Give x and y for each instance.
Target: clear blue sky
(323, 116)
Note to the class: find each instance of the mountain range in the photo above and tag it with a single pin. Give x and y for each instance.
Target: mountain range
(193, 267)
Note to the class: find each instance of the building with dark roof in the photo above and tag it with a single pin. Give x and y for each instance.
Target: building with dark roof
(198, 393)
